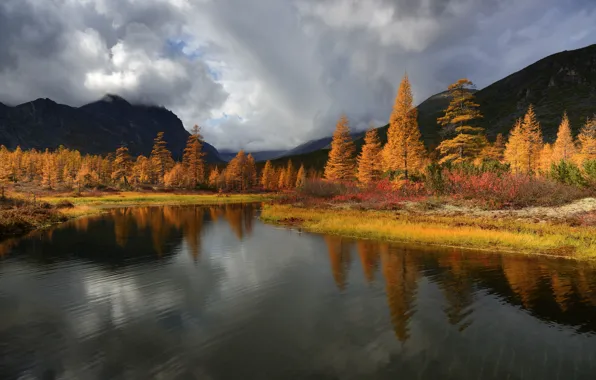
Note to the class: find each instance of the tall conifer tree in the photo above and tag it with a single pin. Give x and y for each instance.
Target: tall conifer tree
(460, 118)
(404, 149)
(587, 141)
(565, 147)
(193, 158)
(369, 161)
(161, 158)
(340, 165)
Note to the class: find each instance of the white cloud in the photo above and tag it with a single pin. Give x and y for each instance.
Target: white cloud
(270, 73)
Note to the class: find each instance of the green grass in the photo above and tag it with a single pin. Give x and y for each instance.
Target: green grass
(506, 235)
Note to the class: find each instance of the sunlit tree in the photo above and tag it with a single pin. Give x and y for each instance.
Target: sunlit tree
(460, 121)
(587, 141)
(369, 160)
(301, 177)
(161, 158)
(340, 165)
(122, 166)
(404, 150)
(564, 147)
(524, 146)
(192, 159)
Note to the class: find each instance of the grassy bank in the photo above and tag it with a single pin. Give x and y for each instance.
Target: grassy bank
(19, 214)
(501, 234)
(143, 199)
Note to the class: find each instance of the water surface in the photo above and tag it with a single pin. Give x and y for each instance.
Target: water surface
(212, 293)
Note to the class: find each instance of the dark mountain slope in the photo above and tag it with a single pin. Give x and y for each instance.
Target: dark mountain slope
(562, 81)
(95, 128)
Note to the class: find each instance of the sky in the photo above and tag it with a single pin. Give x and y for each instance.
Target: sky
(271, 74)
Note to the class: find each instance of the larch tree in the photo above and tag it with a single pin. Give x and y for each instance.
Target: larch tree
(404, 150)
(565, 147)
(494, 151)
(369, 160)
(340, 165)
(587, 141)
(533, 140)
(281, 182)
(122, 166)
(525, 143)
(514, 147)
(251, 172)
(267, 176)
(142, 170)
(460, 122)
(161, 158)
(300, 177)
(290, 176)
(546, 159)
(176, 176)
(213, 177)
(192, 158)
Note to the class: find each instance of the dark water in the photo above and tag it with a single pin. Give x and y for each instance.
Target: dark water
(212, 293)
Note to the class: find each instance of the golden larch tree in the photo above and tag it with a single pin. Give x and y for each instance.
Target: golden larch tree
(266, 176)
(281, 182)
(176, 177)
(213, 177)
(301, 177)
(161, 158)
(565, 147)
(532, 139)
(290, 176)
(192, 159)
(122, 166)
(587, 141)
(460, 122)
(142, 170)
(514, 146)
(251, 172)
(524, 146)
(494, 151)
(340, 165)
(546, 159)
(404, 150)
(369, 160)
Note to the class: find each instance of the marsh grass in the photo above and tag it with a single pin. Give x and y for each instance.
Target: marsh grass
(22, 213)
(505, 234)
(139, 198)
(18, 216)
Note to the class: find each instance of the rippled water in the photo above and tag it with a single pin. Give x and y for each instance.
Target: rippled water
(212, 293)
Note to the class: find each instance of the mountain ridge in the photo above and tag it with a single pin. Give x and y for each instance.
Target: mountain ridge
(99, 127)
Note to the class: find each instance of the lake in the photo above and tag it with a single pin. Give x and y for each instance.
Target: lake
(196, 292)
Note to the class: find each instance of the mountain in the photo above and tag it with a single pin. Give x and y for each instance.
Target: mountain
(96, 128)
(259, 156)
(565, 81)
(561, 82)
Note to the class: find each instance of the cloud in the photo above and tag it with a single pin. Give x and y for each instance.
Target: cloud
(270, 74)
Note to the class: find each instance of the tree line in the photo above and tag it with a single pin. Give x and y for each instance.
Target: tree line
(69, 169)
(464, 143)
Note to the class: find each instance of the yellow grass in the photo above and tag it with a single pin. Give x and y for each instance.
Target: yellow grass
(474, 232)
(137, 198)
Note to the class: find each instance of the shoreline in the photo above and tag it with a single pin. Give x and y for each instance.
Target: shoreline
(87, 206)
(501, 235)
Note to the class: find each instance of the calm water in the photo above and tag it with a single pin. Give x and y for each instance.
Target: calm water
(212, 293)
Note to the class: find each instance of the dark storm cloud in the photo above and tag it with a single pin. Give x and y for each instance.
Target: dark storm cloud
(270, 73)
